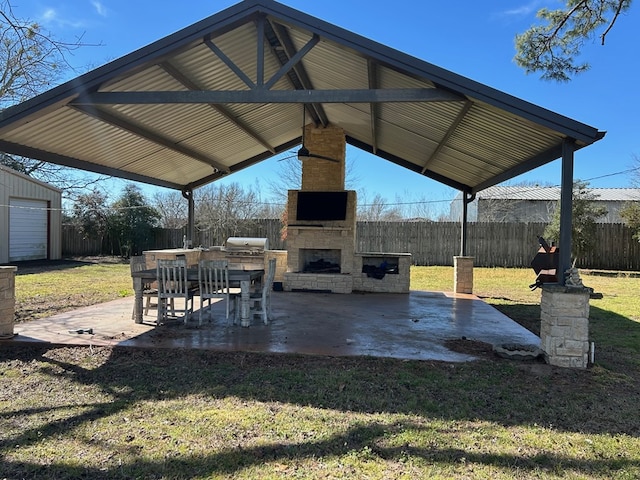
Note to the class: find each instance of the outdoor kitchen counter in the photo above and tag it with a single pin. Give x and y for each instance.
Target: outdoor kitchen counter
(191, 254)
(393, 272)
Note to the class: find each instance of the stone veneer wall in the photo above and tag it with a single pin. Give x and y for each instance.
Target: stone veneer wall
(564, 328)
(7, 301)
(320, 282)
(391, 282)
(322, 176)
(151, 257)
(333, 235)
(281, 263)
(319, 174)
(463, 274)
(325, 175)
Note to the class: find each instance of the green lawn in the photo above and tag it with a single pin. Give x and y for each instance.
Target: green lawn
(127, 413)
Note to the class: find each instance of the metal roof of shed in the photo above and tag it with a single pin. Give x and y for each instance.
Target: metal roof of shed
(536, 193)
(226, 92)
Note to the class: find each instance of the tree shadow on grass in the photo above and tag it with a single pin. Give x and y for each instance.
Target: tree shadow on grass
(501, 392)
(365, 443)
(616, 337)
(526, 315)
(29, 267)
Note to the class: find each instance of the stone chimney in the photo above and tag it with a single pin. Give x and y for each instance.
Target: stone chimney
(319, 174)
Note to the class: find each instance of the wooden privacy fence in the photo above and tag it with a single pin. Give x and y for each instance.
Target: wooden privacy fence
(430, 243)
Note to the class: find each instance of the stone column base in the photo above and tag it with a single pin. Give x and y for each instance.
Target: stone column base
(564, 328)
(463, 274)
(7, 301)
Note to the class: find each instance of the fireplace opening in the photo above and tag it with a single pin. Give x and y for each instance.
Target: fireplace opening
(320, 260)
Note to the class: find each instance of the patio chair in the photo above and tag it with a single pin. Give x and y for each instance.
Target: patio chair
(261, 301)
(213, 282)
(149, 290)
(173, 284)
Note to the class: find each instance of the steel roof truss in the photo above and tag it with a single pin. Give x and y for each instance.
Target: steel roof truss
(58, 159)
(260, 52)
(191, 85)
(372, 72)
(292, 62)
(229, 63)
(543, 158)
(406, 164)
(246, 163)
(113, 120)
(260, 95)
(450, 131)
(298, 74)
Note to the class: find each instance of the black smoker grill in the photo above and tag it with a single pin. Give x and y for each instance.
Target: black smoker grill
(545, 264)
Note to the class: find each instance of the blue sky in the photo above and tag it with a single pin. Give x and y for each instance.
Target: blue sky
(474, 39)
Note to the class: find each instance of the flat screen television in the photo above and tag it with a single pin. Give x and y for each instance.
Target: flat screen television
(318, 206)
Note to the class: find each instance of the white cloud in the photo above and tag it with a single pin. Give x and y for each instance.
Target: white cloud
(524, 10)
(100, 8)
(49, 15)
(54, 18)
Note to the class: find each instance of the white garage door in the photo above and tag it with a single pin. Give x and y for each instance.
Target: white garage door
(28, 226)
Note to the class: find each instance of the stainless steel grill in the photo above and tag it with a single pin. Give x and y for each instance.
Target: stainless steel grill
(246, 245)
(246, 252)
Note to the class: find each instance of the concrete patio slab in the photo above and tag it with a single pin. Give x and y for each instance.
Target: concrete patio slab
(407, 326)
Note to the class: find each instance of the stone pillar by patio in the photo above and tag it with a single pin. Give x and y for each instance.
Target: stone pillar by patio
(463, 274)
(7, 301)
(564, 329)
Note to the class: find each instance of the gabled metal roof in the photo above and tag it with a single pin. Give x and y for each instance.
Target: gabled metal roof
(227, 92)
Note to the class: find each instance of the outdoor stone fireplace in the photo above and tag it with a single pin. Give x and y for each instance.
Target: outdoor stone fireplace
(320, 251)
(321, 226)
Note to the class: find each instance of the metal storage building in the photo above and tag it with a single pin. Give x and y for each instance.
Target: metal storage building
(536, 204)
(30, 218)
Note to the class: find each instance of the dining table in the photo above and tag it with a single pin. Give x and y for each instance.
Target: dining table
(245, 279)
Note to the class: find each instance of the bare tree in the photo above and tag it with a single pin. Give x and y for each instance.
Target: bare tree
(496, 205)
(224, 210)
(289, 177)
(33, 60)
(411, 206)
(377, 209)
(173, 209)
